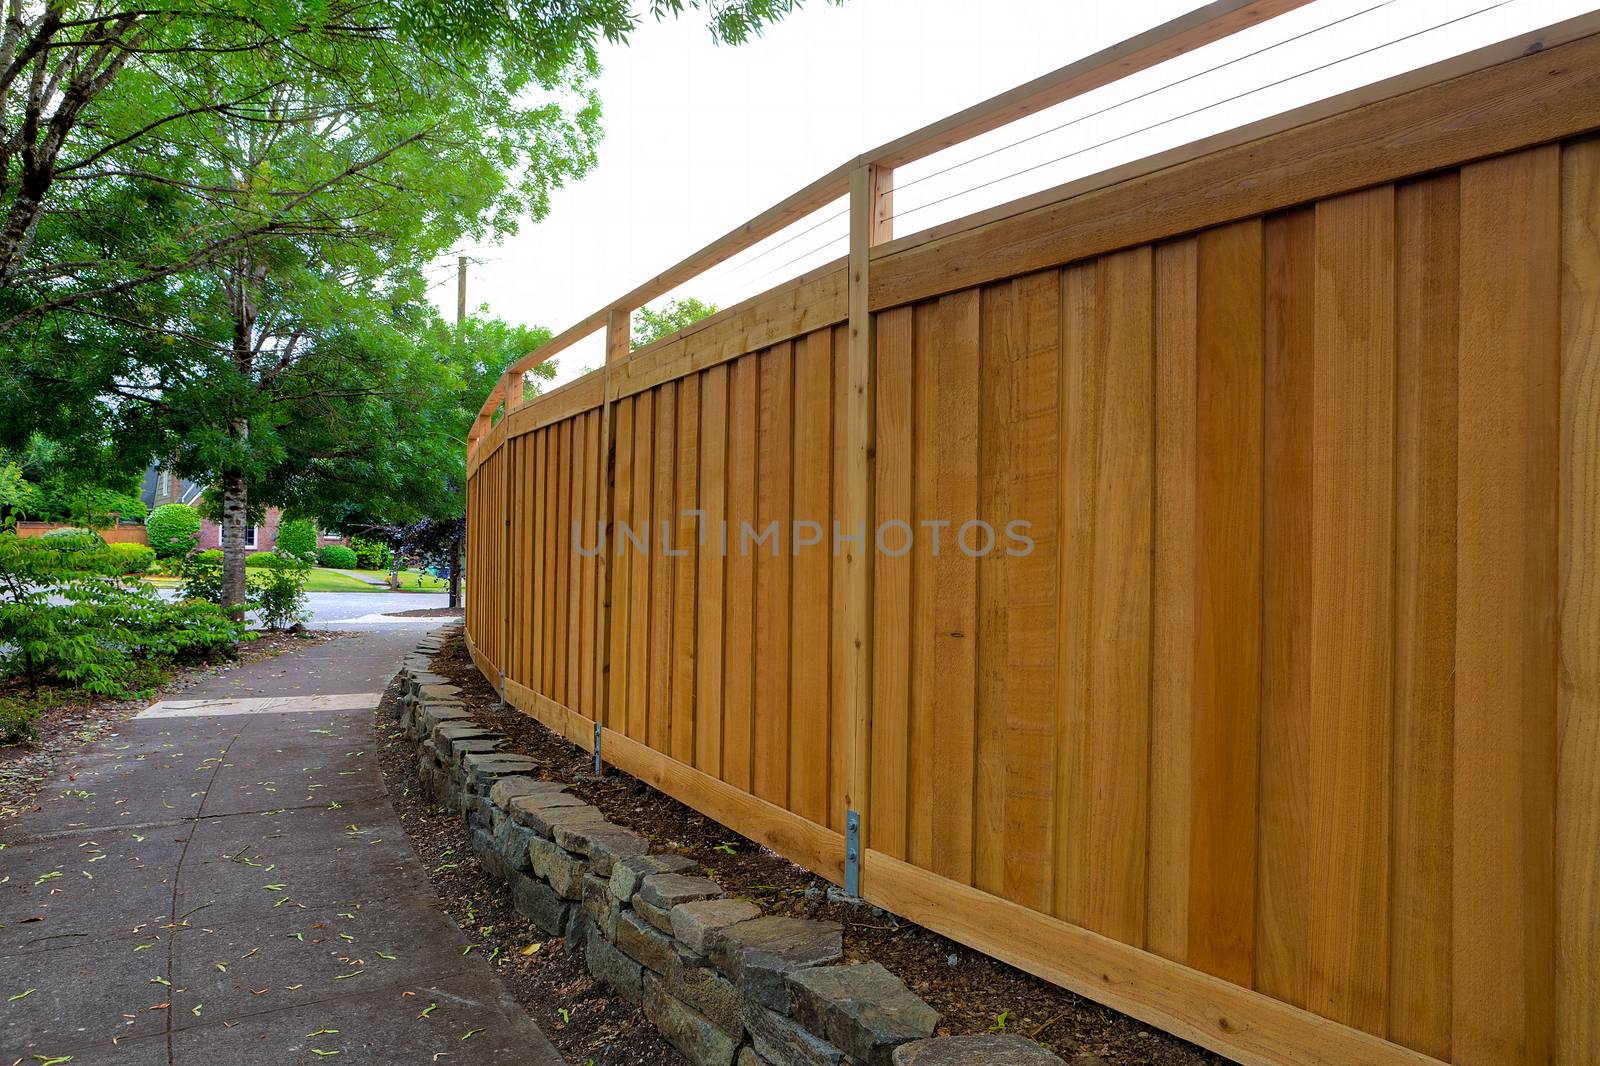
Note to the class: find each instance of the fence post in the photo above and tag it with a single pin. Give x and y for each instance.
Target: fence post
(871, 222)
(619, 326)
(505, 545)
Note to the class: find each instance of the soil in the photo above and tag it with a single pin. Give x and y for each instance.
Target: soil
(75, 720)
(428, 612)
(972, 992)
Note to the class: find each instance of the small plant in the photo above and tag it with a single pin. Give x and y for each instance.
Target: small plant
(371, 554)
(337, 557)
(298, 537)
(173, 530)
(280, 593)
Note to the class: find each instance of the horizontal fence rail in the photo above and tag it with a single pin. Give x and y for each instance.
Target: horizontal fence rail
(1187, 583)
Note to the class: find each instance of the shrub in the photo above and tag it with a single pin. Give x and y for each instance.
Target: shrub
(279, 593)
(263, 560)
(338, 557)
(63, 620)
(130, 558)
(298, 537)
(73, 539)
(211, 556)
(371, 554)
(173, 530)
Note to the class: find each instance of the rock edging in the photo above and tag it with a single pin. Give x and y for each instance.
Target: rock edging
(727, 985)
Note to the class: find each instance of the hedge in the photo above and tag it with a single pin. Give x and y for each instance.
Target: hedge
(337, 557)
(131, 558)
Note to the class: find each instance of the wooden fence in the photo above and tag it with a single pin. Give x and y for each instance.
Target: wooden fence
(1285, 735)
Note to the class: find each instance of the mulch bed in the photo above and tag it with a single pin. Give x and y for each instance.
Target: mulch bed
(588, 1023)
(78, 719)
(972, 992)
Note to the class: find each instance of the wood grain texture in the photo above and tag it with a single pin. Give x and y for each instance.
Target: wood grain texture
(640, 583)
(1282, 964)
(622, 559)
(1173, 605)
(892, 586)
(685, 596)
(997, 355)
(1352, 575)
(1107, 498)
(663, 586)
(1427, 287)
(1503, 873)
(773, 565)
(810, 678)
(1577, 948)
(739, 656)
(711, 618)
(1032, 572)
(1225, 733)
(952, 438)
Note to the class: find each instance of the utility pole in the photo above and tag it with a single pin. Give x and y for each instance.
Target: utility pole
(456, 548)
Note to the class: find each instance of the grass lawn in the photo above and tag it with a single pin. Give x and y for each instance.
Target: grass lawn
(408, 579)
(320, 580)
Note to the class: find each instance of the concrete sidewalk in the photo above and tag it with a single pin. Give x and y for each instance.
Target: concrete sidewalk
(225, 879)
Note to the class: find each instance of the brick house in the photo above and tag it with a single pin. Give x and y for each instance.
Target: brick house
(163, 487)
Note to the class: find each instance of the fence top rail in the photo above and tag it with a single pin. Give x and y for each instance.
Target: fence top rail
(1189, 31)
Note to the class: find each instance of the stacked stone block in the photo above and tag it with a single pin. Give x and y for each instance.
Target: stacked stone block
(727, 985)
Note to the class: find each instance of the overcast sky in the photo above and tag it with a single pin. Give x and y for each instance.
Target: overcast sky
(700, 137)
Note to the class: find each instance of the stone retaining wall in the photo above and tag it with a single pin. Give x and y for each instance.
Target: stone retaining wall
(726, 984)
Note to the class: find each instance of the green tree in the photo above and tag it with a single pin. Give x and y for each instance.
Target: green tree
(97, 98)
(283, 173)
(650, 326)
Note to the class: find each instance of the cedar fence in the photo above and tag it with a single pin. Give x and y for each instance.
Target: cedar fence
(1285, 737)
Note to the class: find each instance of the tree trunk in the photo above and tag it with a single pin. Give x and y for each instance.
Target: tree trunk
(235, 520)
(455, 572)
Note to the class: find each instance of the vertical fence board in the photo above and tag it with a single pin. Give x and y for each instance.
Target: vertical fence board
(1031, 578)
(685, 601)
(708, 706)
(638, 645)
(1577, 991)
(810, 679)
(1281, 959)
(953, 437)
(996, 356)
(1502, 977)
(623, 559)
(1427, 286)
(739, 687)
(775, 449)
(1173, 603)
(1352, 547)
(892, 587)
(663, 529)
(1227, 682)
